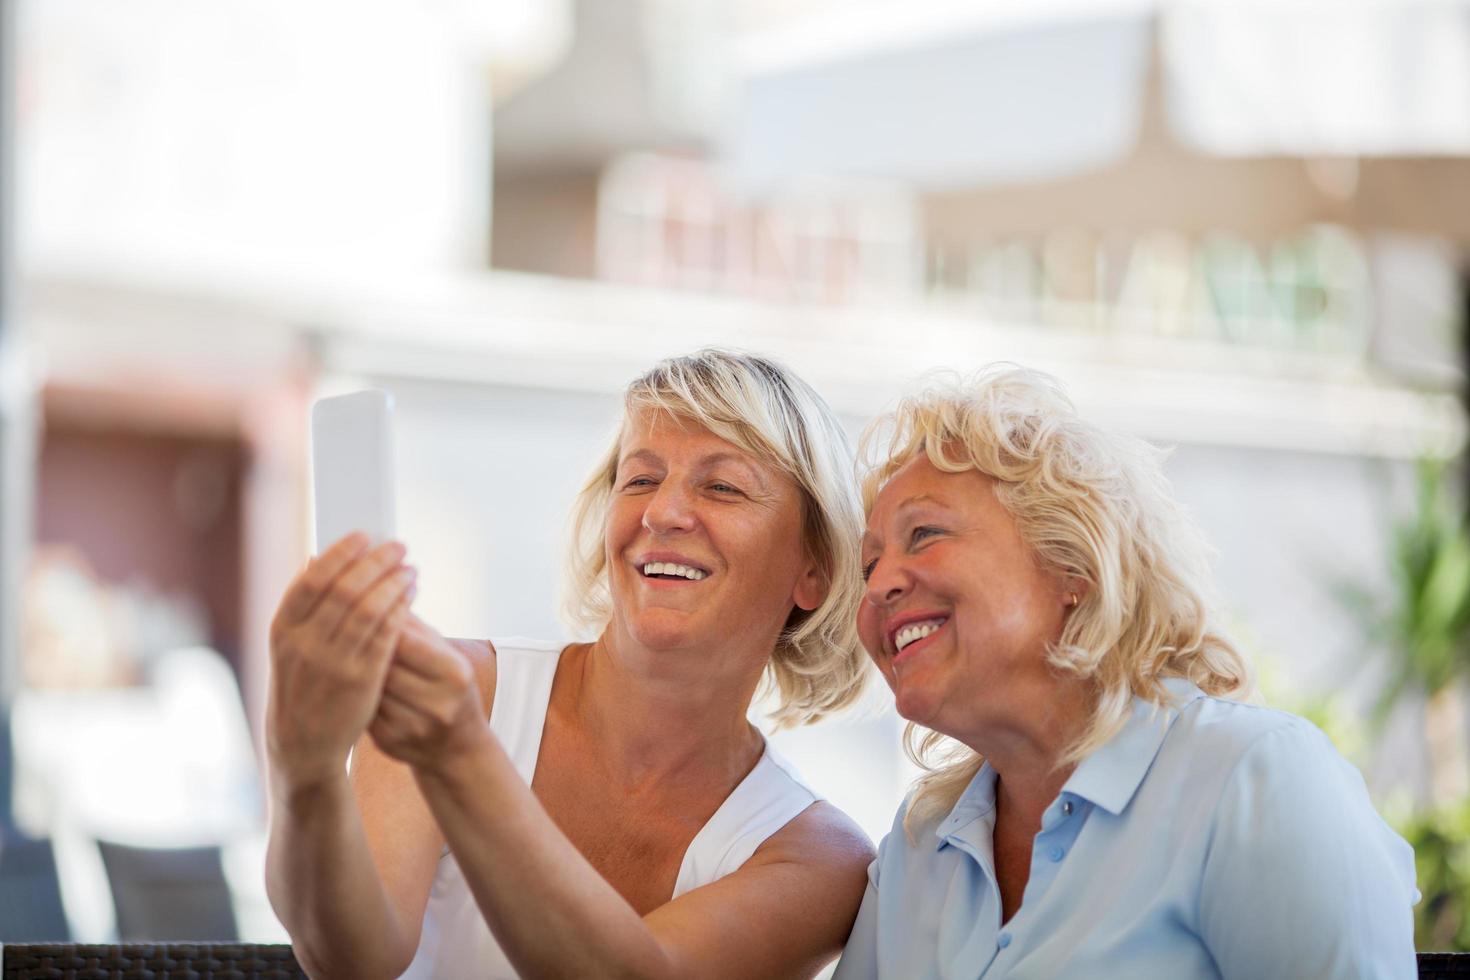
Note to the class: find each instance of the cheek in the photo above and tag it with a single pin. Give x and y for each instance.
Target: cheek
(617, 539)
(762, 536)
(1006, 632)
(867, 626)
(624, 519)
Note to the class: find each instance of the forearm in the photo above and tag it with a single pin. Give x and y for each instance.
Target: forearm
(550, 910)
(325, 888)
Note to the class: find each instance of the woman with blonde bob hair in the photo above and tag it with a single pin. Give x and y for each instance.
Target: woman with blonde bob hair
(1099, 802)
(600, 808)
(817, 665)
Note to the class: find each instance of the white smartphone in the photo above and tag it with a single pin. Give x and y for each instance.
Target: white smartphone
(352, 466)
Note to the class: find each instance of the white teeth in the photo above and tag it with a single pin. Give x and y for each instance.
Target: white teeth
(669, 568)
(915, 631)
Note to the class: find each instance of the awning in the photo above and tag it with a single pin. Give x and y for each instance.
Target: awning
(999, 96)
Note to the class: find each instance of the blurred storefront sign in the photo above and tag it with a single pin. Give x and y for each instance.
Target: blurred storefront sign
(672, 222)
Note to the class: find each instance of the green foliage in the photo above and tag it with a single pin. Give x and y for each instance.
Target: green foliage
(1441, 842)
(1426, 622)
(1425, 627)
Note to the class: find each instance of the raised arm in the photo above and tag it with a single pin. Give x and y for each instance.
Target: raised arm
(331, 642)
(784, 913)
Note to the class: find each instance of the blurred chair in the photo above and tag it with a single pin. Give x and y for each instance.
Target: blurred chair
(159, 765)
(30, 892)
(169, 894)
(148, 770)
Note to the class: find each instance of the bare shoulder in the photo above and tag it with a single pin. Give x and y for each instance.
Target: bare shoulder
(481, 655)
(821, 836)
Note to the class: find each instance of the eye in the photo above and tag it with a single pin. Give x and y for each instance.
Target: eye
(638, 482)
(868, 569)
(922, 532)
(724, 488)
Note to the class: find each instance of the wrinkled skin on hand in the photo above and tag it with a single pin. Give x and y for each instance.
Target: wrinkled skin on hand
(432, 708)
(331, 644)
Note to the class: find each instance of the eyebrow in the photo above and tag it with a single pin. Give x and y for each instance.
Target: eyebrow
(646, 455)
(908, 504)
(922, 500)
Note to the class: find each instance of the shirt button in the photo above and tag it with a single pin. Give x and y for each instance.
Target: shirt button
(1057, 853)
(1004, 940)
(1066, 808)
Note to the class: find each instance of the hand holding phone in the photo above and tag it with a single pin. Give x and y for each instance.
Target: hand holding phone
(352, 466)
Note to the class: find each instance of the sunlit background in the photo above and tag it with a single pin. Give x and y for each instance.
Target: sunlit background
(1241, 229)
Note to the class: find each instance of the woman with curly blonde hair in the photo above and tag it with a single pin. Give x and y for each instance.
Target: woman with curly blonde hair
(1099, 802)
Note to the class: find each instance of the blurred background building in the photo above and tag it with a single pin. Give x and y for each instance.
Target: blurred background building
(1239, 229)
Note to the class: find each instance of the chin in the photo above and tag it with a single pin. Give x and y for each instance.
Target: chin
(657, 631)
(915, 704)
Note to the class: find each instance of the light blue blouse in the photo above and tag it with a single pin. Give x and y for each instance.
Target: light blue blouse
(1210, 839)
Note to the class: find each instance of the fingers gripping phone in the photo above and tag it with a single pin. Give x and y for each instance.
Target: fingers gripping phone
(352, 466)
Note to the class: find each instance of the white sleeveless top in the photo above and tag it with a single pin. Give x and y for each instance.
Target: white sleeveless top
(456, 942)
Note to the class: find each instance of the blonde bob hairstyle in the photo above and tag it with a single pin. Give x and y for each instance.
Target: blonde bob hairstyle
(1091, 505)
(751, 402)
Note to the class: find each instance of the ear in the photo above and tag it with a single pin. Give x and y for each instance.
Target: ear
(811, 588)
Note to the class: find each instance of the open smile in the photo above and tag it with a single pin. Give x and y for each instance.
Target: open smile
(671, 568)
(913, 634)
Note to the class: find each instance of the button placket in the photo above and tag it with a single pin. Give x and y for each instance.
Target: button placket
(1060, 829)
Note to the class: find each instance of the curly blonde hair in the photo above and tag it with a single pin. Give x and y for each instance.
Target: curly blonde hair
(757, 405)
(1090, 504)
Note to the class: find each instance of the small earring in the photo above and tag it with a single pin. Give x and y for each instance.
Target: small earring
(1073, 604)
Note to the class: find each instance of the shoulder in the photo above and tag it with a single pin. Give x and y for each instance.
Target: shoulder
(478, 652)
(1217, 735)
(820, 836)
(1228, 721)
(1230, 776)
(1278, 756)
(1285, 793)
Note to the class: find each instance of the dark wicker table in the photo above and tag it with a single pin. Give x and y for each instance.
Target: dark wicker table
(243, 961)
(1444, 966)
(148, 961)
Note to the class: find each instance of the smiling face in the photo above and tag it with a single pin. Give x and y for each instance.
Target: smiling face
(704, 542)
(958, 614)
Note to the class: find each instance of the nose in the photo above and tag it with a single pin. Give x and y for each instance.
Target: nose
(888, 581)
(670, 509)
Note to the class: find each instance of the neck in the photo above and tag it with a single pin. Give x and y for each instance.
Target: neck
(657, 713)
(1022, 797)
(1027, 754)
